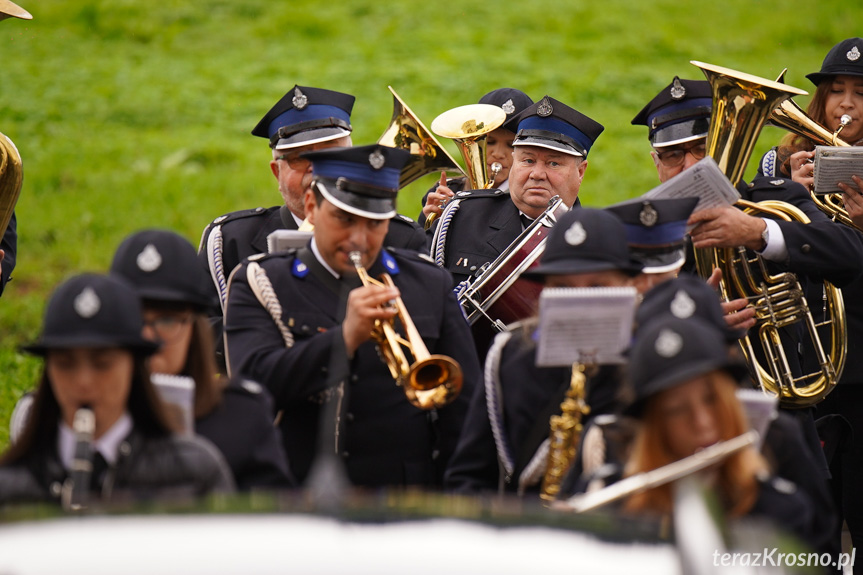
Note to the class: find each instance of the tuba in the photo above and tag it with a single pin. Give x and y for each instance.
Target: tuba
(468, 127)
(741, 105)
(407, 132)
(430, 382)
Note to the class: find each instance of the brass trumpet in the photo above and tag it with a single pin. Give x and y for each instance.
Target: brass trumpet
(431, 381)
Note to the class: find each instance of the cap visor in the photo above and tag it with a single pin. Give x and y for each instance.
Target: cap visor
(310, 137)
(45, 345)
(364, 206)
(548, 144)
(660, 263)
(679, 133)
(573, 266)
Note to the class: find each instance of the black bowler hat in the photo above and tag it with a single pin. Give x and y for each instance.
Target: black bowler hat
(306, 116)
(656, 231)
(163, 266)
(554, 125)
(585, 240)
(679, 113)
(684, 297)
(363, 180)
(844, 58)
(670, 351)
(513, 102)
(92, 310)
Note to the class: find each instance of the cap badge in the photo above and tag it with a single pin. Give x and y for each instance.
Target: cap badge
(87, 303)
(149, 259)
(677, 89)
(377, 160)
(575, 235)
(648, 216)
(544, 109)
(853, 54)
(682, 306)
(668, 344)
(777, 182)
(300, 101)
(508, 107)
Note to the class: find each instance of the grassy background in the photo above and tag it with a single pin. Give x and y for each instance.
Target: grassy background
(132, 114)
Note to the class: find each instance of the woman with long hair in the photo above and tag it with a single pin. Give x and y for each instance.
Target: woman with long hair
(96, 363)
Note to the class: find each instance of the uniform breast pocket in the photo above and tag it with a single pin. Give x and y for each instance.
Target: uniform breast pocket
(304, 325)
(469, 263)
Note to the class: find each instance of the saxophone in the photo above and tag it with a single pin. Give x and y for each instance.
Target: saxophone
(565, 431)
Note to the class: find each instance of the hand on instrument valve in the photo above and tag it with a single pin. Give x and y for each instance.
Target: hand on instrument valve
(852, 197)
(737, 314)
(365, 305)
(436, 200)
(726, 227)
(802, 168)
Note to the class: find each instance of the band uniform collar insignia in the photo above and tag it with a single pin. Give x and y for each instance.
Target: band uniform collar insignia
(300, 101)
(508, 107)
(149, 259)
(853, 54)
(377, 160)
(575, 235)
(682, 306)
(544, 109)
(648, 215)
(299, 269)
(677, 89)
(87, 303)
(777, 182)
(389, 262)
(668, 344)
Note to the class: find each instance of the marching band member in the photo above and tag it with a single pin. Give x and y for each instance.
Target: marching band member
(95, 358)
(498, 145)
(303, 120)
(300, 323)
(509, 415)
(236, 414)
(8, 251)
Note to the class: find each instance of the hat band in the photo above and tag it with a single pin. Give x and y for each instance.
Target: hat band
(554, 136)
(345, 185)
(287, 131)
(682, 114)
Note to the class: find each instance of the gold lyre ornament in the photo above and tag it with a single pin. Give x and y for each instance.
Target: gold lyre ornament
(431, 381)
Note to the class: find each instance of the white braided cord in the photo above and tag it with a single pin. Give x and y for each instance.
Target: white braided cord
(439, 240)
(493, 401)
(217, 268)
(263, 289)
(535, 469)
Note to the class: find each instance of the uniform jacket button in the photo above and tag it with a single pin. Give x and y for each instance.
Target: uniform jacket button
(355, 378)
(805, 248)
(349, 417)
(346, 454)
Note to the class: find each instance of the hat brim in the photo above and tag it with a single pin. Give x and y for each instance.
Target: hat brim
(681, 133)
(162, 294)
(661, 263)
(359, 205)
(818, 77)
(44, 345)
(682, 374)
(310, 137)
(579, 266)
(548, 144)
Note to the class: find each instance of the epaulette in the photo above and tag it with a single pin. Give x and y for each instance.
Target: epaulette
(490, 193)
(404, 218)
(411, 255)
(264, 256)
(774, 183)
(239, 215)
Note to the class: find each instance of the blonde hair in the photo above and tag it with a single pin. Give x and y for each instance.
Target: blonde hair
(737, 475)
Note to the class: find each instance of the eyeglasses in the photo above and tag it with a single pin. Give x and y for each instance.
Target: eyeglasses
(168, 327)
(295, 162)
(675, 157)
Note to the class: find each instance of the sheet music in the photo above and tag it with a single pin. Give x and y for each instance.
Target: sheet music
(284, 240)
(834, 164)
(704, 180)
(178, 391)
(589, 325)
(761, 408)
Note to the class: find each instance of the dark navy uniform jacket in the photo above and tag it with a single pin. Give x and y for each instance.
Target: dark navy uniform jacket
(529, 396)
(231, 238)
(383, 440)
(241, 426)
(10, 245)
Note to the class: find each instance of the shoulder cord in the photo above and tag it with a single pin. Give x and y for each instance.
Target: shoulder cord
(768, 163)
(535, 469)
(217, 268)
(263, 289)
(493, 398)
(439, 240)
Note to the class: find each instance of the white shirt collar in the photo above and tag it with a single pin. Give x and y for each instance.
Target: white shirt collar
(504, 186)
(107, 445)
(317, 254)
(296, 219)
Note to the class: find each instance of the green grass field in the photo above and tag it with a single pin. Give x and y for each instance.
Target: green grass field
(132, 114)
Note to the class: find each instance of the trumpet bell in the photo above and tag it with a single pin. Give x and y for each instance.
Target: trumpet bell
(434, 371)
(407, 132)
(468, 127)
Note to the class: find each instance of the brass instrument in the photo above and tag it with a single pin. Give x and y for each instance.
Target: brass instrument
(407, 132)
(565, 432)
(741, 104)
(11, 10)
(11, 175)
(469, 126)
(432, 380)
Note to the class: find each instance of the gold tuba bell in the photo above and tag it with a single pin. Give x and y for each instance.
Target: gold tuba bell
(741, 105)
(469, 126)
(432, 381)
(407, 132)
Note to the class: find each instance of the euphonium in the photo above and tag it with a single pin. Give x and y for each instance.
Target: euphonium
(407, 132)
(565, 433)
(11, 174)
(741, 104)
(432, 380)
